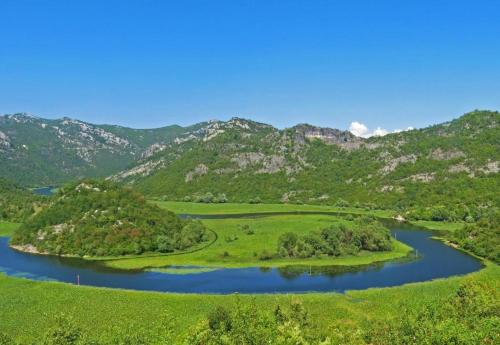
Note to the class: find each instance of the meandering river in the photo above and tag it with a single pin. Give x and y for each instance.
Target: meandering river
(432, 260)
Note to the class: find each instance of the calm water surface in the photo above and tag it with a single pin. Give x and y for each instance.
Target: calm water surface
(434, 260)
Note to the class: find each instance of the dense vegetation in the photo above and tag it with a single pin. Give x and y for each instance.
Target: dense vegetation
(17, 203)
(100, 218)
(336, 240)
(464, 311)
(482, 238)
(253, 242)
(36, 151)
(443, 165)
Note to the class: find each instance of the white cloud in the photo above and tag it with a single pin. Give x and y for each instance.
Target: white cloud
(379, 132)
(358, 129)
(409, 128)
(361, 130)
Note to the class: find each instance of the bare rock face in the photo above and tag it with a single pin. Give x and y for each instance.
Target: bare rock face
(441, 155)
(423, 177)
(151, 150)
(392, 164)
(344, 139)
(4, 141)
(247, 159)
(200, 170)
(491, 168)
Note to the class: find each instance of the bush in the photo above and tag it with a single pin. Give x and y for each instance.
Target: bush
(367, 234)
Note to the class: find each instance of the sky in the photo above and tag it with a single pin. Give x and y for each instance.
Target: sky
(365, 65)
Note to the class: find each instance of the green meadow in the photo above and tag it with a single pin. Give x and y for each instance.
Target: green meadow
(235, 248)
(28, 308)
(7, 228)
(236, 208)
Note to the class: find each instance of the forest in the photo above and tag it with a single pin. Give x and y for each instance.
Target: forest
(101, 218)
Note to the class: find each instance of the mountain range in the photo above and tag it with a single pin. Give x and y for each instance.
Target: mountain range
(247, 161)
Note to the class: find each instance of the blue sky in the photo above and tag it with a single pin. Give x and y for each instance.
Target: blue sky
(391, 64)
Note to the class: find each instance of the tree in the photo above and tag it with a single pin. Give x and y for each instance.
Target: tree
(288, 241)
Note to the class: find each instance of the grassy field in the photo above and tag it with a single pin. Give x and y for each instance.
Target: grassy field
(27, 307)
(7, 228)
(441, 226)
(233, 208)
(234, 248)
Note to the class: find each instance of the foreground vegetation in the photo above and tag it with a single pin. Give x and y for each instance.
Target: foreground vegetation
(464, 310)
(100, 218)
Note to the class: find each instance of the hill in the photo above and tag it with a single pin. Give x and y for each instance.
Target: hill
(447, 164)
(16, 202)
(96, 218)
(36, 151)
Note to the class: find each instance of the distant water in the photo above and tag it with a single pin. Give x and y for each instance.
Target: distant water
(435, 260)
(45, 191)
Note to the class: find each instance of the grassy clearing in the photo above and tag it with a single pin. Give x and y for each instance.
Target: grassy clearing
(182, 270)
(441, 226)
(7, 228)
(27, 307)
(234, 208)
(244, 251)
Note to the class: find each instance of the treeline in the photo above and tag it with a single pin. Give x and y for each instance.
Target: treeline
(471, 316)
(365, 234)
(483, 237)
(17, 203)
(100, 218)
(480, 233)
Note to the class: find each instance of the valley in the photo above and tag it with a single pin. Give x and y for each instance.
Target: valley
(222, 217)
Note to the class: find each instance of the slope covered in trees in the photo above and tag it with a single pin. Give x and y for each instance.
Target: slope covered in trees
(451, 164)
(17, 203)
(100, 218)
(36, 151)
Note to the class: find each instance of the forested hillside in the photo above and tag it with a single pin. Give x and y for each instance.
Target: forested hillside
(17, 203)
(36, 151)
(98, 218)
(454, 163)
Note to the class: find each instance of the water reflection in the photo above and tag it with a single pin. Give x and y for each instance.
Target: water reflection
(435, 260)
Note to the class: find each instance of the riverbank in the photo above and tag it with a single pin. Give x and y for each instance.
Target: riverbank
(108, 313)
(236, 249)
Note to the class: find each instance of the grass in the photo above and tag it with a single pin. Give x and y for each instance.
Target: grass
(8, 228)
(182, 270)
(28, 308)
(245, 250)
(441, 226)
(234, 208)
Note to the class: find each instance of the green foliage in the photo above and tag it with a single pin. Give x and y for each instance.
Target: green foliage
(444, 165)
(366, 234)
(64, 332)
(472, 317)
(247, 324)
(245, 228)
(17, 203)
(481, 238)
(100, 218)
(52, 152)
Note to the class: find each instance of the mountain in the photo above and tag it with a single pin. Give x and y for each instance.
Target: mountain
(239, 160)
(36, 151)
(452, 162)
(100, 218)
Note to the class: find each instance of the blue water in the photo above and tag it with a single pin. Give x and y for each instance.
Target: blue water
(434, 260)
(45, 191)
